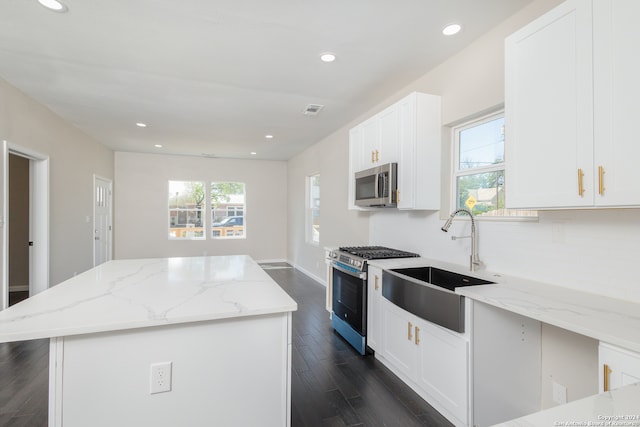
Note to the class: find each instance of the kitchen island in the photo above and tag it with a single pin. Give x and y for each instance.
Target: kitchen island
(162, 342)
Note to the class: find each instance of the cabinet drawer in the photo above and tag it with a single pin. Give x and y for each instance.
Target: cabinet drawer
(618, 367)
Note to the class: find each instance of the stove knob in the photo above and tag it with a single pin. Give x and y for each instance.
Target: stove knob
(357, 264)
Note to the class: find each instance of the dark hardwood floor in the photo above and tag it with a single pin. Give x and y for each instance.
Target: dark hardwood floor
(331, 384)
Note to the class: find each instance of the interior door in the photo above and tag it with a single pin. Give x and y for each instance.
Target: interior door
(102, 220)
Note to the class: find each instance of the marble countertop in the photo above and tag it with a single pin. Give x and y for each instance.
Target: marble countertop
(127, 294)
(605, 319)
(618, 407)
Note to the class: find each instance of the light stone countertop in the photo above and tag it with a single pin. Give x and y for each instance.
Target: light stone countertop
(605, 319)
(620, 407)
(137, 293)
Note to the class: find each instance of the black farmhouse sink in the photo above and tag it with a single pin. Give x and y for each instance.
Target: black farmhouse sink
(428, 292)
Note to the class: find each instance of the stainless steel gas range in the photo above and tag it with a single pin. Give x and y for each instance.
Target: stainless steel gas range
(348, 289)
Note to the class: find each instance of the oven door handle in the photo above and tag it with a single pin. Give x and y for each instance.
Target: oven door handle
(362, 275)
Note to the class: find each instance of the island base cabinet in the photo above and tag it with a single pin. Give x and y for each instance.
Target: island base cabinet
(224, 372)
(506, 365)
(619, 367)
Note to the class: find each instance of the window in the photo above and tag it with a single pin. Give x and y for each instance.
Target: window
(228, 207)
(313, 209)
(478, 168)
(186, 210)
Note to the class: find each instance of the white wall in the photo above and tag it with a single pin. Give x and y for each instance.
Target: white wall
(74, 159)
(141, 215)
(338, 226)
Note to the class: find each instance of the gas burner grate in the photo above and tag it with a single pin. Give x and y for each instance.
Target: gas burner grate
(377, 252)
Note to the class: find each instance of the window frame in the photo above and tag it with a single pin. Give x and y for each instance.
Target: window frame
(226, 209)
(202, 211)
(456, 172)
(311, 211)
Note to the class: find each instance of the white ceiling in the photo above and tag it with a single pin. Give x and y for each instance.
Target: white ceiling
(215, 76)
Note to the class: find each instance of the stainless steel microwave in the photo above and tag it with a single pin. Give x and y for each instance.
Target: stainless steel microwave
(376, 187)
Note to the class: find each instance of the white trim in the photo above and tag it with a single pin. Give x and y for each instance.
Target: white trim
(310, 274)
(4, 241)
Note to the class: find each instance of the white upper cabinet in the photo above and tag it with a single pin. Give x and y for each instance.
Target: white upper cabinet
(409, 133)
(616, 96)
(549, 109)
(570, 81)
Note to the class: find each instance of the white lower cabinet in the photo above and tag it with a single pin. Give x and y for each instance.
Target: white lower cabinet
(618, 367)
(432, 360)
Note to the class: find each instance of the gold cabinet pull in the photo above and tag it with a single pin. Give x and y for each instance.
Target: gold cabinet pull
(580, 186)
(373, 156)
(376, 286)
(409, 327)
(607, 374)
(397, 196)
(417, 340)
(601, 180)
(377, 156)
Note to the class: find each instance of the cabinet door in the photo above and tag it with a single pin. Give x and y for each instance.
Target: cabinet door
(617, 90)
(618, 367)
(444, 368)
(370, 142)
(419, 152)
(549, 110)
(374, 316)
(398, 338)
(389, 135)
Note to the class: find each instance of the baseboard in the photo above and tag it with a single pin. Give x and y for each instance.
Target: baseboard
(18, 288)
(310, 274)
(269, 261)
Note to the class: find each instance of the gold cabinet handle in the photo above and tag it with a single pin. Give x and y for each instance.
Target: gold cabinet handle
(417, 340)
(607, 374)
(377, 156)
(373, 156)
(397, 196)
(409, 327)
(580, 186)
(376, 286)
(601, 180)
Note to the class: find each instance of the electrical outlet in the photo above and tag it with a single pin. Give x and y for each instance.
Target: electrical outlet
(160, 378)
(559, 393)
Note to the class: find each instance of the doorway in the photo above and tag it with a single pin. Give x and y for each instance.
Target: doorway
(18, 229)
(102, 196)
(38, 219)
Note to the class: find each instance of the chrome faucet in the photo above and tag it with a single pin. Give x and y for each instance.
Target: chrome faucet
(474, 261)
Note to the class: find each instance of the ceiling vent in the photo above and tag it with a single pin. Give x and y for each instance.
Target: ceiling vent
(312, 109)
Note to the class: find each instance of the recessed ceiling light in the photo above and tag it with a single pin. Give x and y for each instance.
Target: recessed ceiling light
(158, 145)
(141, 125)
(54, 5)
(451, 29)
(253, 153)
(327, 57)
(269, 136)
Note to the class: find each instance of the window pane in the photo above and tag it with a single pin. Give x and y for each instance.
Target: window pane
(186, 210)
(228, 206)
(313, 209)
(482, 194)
(482, 145)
